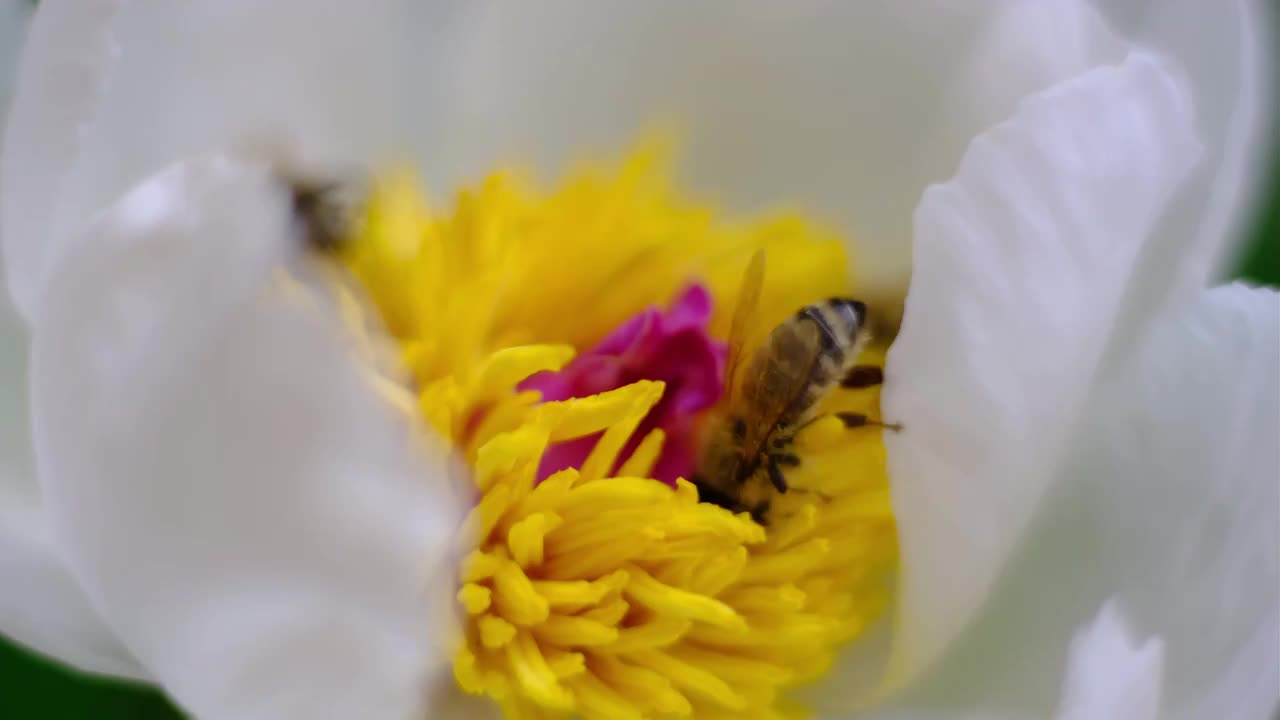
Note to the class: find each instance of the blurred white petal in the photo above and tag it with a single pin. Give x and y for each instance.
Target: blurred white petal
(42, 607)
(67, 57)
(14, 17)
(17, 475)
(1109, 675)
(369, 80)
(850, 108)
(1026, 47)
(1171, 505)
(1184, 475)
(253, 521)
(1020, 264)
(1223, 48)
(111, 92)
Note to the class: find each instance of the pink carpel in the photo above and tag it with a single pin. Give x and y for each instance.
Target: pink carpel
(674, 347)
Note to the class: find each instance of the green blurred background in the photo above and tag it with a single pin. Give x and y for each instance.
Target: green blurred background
(31, 687)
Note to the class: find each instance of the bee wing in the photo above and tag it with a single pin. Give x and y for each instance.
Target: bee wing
(748, 300)
(784, 382)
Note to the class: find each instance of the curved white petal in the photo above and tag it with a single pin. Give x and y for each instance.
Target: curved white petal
(1109, 675)
(1228, 57)
(1106, 675)
(1183, 475)
(67, 56)
(113, 91)
(849, 108)
(368, 79)
(1025, 47)
(43, 608)
(254, 521)
(41, 605)
(853, 110)
(1172, 508)
(1020, 264)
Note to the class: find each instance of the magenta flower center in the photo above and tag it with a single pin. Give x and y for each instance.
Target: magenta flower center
(672, 346)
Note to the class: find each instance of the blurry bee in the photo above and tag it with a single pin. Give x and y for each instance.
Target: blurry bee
(324, 203)
(323, 212)
(799, 363)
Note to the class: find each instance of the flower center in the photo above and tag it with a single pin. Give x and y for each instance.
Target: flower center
(570, 347)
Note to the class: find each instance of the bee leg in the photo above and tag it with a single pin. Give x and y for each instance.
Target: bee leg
(760, 512)
(853, 420)
(863, 376)
(785, 459)
(775, 475)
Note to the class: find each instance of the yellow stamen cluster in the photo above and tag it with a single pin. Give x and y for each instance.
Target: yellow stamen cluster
(602, 593)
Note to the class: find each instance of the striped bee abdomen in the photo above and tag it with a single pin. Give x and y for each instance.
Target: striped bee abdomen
(838, 323)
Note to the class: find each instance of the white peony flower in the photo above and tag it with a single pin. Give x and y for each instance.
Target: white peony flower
(202, 491)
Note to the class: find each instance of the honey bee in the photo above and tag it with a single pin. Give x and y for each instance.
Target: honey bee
(776, 394)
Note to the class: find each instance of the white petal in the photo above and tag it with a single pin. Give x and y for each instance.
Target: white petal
(1171, 506)
(1020, 264)
(108, 97)
(1110, 676)
(1183, 474)
(66, 59)
(42, 607)
(1026, 47)
(928, 714)
(254, 521)
(111, 92)
(14, 17)
(17, 475)
(1229, 59)
(848, 107)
